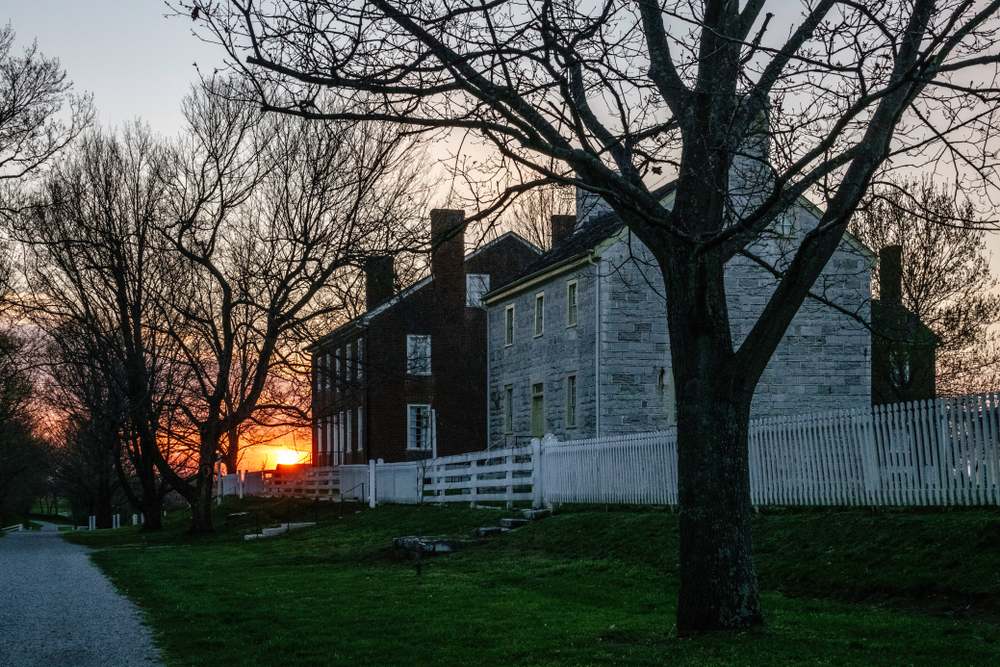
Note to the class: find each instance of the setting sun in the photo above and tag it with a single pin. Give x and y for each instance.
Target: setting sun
(288, 456)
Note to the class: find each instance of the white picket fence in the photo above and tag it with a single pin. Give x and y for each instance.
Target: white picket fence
(945, 451)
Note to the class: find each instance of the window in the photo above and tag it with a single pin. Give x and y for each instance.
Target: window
(360, 356)
(349, 441)
(508, 326)
(508, 409)
(418, 355)
(419, 427)
(328, 375)
(571, 401)
(347, 362)
(539, 314)
(786, 223)
(571, 303)
(361, 430)
(343, 439)
(538, 410)
(476, 285)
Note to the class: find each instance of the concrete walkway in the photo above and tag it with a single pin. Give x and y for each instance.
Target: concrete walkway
(58, 610)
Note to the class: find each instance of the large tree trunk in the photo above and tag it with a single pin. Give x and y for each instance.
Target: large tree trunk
(718, 588)
(231, 454)
(718, 578)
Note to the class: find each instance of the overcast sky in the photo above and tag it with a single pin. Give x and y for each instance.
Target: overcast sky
(136, 62)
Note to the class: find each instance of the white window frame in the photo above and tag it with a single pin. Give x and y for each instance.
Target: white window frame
(424, 442)
(361, 430)
(508, 326)
(572, 299)
(476, 285)
(571, 401)
(360, 356)
(417, 364)
(539, 314)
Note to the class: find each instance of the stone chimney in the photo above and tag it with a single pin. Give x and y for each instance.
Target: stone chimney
(380, 278)
(448, 255)
(890, 273)
(750, 177)
(562, 227)
(589, 205)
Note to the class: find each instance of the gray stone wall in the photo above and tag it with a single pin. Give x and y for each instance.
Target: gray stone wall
(822, 364)
(560, 351)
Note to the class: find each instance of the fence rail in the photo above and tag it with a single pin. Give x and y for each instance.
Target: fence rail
(309, 482)
(945, 451)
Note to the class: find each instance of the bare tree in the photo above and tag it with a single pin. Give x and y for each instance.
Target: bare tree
(94, 278)
(268, 213)
(946, 277)
(614, 93)
(39, 115)
(23, 458)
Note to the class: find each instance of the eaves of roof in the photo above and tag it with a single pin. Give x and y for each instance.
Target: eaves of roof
(361, 321)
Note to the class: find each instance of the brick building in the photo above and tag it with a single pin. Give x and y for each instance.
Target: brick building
(579, 347)
(408, 378)
(903, 348)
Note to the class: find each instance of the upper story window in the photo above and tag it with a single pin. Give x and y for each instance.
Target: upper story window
(571, 303)
(418, 355)
(476, 285)
(360, 356)
(508, 326)
(539, 314)
(348, 369)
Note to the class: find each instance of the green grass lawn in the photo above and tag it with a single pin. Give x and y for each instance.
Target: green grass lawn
(585, 587)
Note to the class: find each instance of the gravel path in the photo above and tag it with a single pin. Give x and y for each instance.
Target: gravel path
(58, 610)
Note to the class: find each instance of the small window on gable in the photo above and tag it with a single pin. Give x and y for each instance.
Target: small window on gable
(508, 326)
(418, 355)
(539, 314)
(786, 223)
(476, 285)
(571, 303)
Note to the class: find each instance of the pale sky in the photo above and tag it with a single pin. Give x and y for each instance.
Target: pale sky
(136, 62)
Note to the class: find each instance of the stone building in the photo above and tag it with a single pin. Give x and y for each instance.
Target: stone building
(578, 342)
(408, 377)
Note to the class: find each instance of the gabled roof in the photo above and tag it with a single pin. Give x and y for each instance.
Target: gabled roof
(586, 242)
(363, 319)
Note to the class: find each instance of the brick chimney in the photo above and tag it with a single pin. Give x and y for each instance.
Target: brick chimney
(380, 277)
(890, 273)
(562, 227)
(448, 255)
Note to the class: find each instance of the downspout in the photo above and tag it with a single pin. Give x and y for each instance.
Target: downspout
(597, 345)
(489, 387)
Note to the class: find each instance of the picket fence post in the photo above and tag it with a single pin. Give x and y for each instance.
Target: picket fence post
(371, 483)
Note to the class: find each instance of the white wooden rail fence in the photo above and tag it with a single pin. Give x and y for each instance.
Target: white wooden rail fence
(945, 451)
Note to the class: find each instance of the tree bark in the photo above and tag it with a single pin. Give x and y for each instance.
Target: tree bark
(718, 587)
